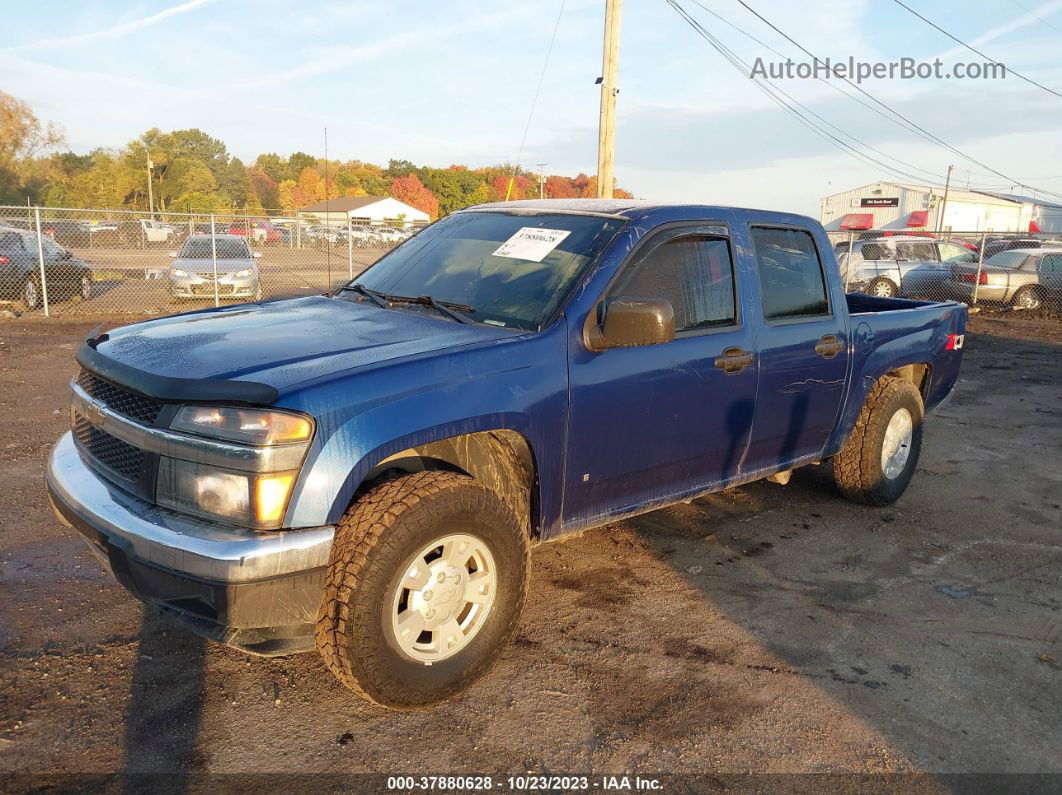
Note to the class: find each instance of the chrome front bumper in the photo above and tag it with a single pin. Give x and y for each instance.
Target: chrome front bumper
(180, 544)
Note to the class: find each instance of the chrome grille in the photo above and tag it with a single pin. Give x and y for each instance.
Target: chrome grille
(129, 404)
(115, 455)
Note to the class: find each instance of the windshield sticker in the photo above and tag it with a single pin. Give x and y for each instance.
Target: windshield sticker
(531, 243)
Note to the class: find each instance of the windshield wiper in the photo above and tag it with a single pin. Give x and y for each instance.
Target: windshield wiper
(458, 312)
(377, 298)
(442, 307)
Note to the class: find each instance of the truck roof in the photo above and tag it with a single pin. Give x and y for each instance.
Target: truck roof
(630, 208)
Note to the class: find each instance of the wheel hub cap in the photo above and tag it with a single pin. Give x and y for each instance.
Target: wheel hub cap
(443, 598)
(896, 446)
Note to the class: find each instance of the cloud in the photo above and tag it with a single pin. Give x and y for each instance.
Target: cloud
(113, 33)
(338, 57)
(1021, 21)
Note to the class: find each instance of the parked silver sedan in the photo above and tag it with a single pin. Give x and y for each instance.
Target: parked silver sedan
(192, 271)
(1022, 278)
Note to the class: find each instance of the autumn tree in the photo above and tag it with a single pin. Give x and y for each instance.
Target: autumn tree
(411, 190)
(192, 170)
(22, 137)
(263, 186)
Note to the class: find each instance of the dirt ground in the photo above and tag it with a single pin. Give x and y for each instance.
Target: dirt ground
(768, 629)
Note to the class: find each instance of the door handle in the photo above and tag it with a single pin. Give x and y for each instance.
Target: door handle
(829, 346)
(733, 360)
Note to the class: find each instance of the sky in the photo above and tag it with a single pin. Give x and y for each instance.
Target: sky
(453, 82)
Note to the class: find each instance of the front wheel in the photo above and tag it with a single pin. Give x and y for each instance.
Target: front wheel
(425, 586)
(880, 456)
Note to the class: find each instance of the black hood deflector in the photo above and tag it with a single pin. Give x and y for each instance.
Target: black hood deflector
(172, 389)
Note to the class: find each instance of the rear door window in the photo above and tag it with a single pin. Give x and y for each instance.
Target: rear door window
(792, 280)
(921, 252)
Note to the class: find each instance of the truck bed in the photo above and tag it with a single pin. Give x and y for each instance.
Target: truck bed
(860, 303)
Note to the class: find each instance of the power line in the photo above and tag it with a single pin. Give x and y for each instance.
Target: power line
(534, 101)
(836, 88)
(773, 91)
(914, 126)
(1035, 16)
(974, 50)
(839, 90)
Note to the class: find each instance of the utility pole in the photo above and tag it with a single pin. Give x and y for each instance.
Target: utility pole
(606, 135)
(151, 198)
(944, 204)
(541, 180)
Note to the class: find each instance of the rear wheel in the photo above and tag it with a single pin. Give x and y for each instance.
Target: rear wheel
(1027, 297)
(425, 587)
(880, 456)
(882, 288)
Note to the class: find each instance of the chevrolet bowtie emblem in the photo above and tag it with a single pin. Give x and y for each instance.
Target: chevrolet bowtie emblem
(94, 413)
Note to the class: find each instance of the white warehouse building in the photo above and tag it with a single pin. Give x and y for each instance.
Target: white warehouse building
(365, 210)
(895, 205)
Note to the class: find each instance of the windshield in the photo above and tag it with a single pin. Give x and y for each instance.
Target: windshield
(513, 269)
(199, 248)
(1007, 259)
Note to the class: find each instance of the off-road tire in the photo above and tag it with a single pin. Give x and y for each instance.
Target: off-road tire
(857, 468)
(376, 537)
(889, 290)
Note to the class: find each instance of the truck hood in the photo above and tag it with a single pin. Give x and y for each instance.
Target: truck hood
(283, 343)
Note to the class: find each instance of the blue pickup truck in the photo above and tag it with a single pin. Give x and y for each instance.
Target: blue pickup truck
(365, 472)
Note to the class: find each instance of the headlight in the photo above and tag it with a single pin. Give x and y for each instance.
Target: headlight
(178, 273)
(250, 426)
(243, 274)
(251, 499)
(248, 499)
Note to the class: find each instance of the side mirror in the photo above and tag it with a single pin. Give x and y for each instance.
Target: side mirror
(173, 254)
(631, 322)
(257, 255)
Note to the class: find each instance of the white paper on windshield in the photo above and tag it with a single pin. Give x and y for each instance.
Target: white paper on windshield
(531, 243)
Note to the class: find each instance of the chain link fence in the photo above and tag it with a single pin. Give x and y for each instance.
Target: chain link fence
(56, 261)
(127, 262)
(991, 270)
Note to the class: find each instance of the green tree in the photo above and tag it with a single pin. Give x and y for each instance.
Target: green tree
(233, 182)
(398, 168)
(274, 166)
(299, 162)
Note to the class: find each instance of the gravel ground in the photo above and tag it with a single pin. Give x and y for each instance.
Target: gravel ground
(767, 629)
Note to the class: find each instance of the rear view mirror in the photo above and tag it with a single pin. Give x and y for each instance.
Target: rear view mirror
(173, 253)
(257, 255)
(631, 322)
